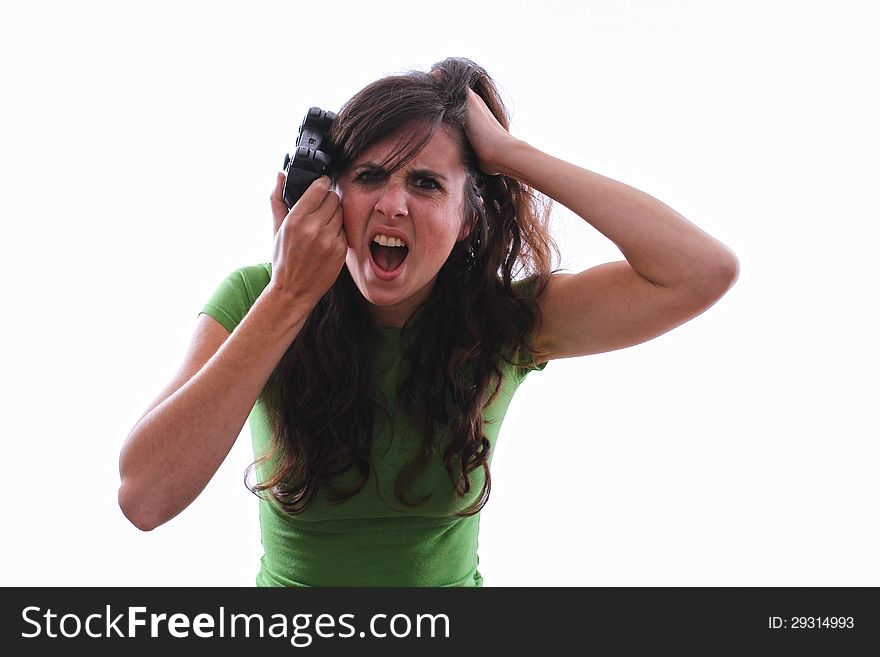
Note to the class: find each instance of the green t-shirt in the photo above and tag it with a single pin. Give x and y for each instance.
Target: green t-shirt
(371, 539)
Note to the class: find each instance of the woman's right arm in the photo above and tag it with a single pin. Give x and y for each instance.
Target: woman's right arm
(174, 450)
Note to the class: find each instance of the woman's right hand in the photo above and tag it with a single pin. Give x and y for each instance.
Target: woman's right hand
(310, 244)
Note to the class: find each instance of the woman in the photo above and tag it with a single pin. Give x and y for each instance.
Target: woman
(408, 296)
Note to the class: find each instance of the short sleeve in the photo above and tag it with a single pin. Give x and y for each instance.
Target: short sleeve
(529, 364)
(235, 295)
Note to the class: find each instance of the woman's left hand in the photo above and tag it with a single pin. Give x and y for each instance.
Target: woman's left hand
(488, 138)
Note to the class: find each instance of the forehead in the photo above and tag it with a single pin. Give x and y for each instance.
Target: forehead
(442, 152)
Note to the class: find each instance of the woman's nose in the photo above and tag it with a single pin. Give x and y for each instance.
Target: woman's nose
(392, 199)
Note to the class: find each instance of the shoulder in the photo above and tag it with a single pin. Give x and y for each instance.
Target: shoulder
(236, 293)
(248, 281)
(530, 287)
(256, 277)
(527, 286)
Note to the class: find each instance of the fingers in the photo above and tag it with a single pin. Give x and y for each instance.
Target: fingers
(314, 196)
(276, 198)
(336, 219)
(318, 200)
(279, 207)
(329, 205)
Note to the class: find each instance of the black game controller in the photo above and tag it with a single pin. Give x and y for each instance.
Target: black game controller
(309, 162)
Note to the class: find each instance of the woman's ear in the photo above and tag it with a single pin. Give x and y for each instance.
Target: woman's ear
(467, 228)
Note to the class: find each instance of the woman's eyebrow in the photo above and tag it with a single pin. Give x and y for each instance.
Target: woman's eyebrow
(428, 173)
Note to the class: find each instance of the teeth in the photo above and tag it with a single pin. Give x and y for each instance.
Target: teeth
(388, 241)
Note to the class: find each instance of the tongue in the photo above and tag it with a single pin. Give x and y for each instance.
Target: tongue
(388, 257)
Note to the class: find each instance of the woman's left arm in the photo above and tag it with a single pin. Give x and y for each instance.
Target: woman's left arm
(673, 270)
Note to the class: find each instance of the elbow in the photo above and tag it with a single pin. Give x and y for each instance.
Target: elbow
(132, 513)
(729, 275)
(721, 278)
(730, 272)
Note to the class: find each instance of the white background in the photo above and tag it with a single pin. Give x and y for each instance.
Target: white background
(140, 143)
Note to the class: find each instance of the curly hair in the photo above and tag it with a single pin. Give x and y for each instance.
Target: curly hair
(318, 398)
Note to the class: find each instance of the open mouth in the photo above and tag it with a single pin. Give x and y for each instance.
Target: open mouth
(388, 258)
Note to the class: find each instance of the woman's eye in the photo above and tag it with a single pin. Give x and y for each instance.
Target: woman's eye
(375, 177)
(368, 177)
(432, 184)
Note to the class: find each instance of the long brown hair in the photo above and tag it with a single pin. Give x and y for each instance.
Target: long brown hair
(317, 398)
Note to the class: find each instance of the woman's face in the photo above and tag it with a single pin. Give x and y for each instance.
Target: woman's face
(422, 204)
